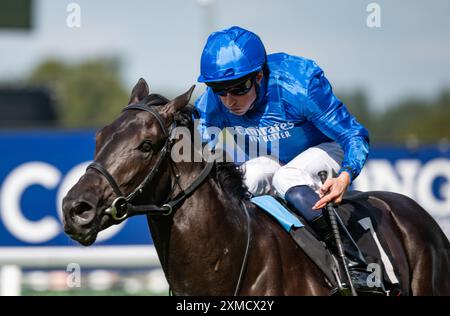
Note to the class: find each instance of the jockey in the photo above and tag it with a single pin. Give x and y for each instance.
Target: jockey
(287, 100)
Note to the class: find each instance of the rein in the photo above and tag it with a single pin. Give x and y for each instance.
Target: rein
(123, 208)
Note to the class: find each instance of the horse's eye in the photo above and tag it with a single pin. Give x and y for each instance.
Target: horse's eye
(145, 146)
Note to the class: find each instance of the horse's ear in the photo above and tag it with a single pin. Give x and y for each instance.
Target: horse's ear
(180, 101)
(140, 92)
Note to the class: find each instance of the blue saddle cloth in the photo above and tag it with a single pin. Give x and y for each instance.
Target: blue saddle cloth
(269, 204)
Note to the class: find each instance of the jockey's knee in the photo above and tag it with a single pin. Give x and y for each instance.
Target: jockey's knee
(258, 183)
(287, 177)
(258, 175)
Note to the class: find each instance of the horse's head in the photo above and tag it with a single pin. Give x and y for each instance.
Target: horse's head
(126, 151)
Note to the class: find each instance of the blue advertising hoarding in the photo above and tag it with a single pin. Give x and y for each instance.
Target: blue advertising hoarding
(422, 173)
(37, 168)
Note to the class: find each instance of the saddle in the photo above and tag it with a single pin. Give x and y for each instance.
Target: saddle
(358, 217)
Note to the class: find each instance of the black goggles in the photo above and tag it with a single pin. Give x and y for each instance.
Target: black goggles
(240, 89)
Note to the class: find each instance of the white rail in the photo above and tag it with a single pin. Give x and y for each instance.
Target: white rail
(13, 259)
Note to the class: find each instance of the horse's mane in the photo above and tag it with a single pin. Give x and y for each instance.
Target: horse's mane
(231, 179)
(228, 175)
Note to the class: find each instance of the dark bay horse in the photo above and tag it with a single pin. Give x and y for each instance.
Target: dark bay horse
(202, 238)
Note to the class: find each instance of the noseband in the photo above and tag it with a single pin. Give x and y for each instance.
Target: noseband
(122, 207)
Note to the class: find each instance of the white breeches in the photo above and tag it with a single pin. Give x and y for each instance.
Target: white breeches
(264, 175)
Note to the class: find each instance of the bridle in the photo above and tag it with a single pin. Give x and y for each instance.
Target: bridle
(122, 207)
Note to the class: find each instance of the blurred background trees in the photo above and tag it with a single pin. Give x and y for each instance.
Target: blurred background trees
(412, 121)
(91, 94)
(88, 94)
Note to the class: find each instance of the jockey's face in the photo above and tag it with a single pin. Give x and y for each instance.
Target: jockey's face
(240, 104)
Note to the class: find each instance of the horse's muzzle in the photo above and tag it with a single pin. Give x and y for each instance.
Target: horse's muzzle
(79, 215)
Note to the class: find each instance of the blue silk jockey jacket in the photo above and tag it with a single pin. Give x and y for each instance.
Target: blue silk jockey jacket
(296, 109)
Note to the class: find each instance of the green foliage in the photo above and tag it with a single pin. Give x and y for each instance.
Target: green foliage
(87, 94)
(413, 121)
(423, 121)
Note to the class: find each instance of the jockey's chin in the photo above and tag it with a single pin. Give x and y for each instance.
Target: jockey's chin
(239, 105)
(239, 112)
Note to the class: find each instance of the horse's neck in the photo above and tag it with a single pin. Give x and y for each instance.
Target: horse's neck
(205, 236)
(202, 247)
(208, 210)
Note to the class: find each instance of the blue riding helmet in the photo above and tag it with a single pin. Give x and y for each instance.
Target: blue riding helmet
(230, 54)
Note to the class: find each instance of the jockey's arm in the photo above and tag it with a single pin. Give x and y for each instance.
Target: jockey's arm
(333, 119)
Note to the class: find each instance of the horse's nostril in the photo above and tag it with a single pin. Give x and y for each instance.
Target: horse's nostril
(82, 212)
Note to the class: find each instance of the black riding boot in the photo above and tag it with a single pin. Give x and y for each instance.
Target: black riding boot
(356, 264)
(302, 198)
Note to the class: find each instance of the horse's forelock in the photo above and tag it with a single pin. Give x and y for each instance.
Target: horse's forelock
(155, 99)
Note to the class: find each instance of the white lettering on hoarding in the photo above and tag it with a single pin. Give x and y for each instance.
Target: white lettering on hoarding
(411, 178)
(429, 173)
(13, 187)
(47, 176)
